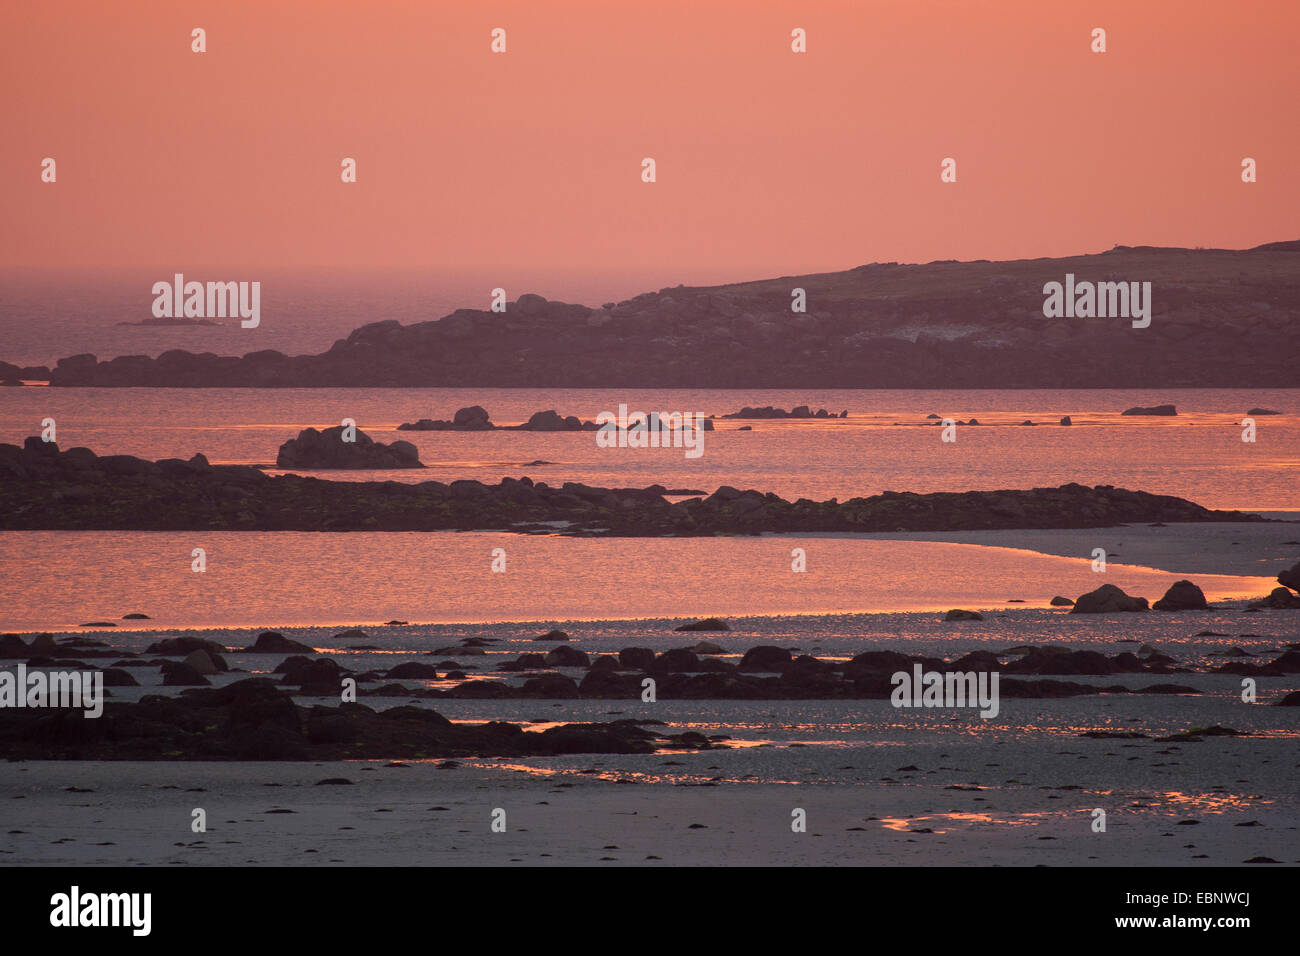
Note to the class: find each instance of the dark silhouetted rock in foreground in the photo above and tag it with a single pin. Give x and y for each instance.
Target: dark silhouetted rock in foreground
(1182, 596)
(1060, 601)
(326, 449)
(254, 719)
(958, 614)
(1107, 599)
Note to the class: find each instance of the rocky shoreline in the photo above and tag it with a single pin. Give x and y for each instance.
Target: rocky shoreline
(253, 719)
(258, 718)
(884, 325)
(46, 489)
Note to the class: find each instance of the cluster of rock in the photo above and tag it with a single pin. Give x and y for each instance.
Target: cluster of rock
(326, 449)
(256, 719)
(885, 325)
(1181, 596)
(1284, 597)
(476, 419)
(43, 488)
(769, 411)
(11, 374)
(764, 672)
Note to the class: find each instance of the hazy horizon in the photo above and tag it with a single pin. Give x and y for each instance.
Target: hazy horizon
(768, 162)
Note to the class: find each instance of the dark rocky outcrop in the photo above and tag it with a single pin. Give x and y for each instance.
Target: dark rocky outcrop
(799, 411)
(326, 449)
(44, 488)
(1287, 663)
(708, 624)
(1280, 599)
(183, 646)
(1158, 410)
(475, 418)
(958, 614)
(1182, 596)
(253, 719)
(1107, 599)
(273, 642)
(1290, 578)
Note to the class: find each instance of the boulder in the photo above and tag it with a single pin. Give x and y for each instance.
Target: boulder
(765, 657)
(567, 657)
(116, 677)
(273, 642)
(1107, 599)
(1059, 601)
(1278, 599)
(182, 646)
(678, 660)
(1182, 596)
(201, 663)
(473, 418)
(637, 658)
(326, 449)
(957, 614)
(178, 674)
(414, 669)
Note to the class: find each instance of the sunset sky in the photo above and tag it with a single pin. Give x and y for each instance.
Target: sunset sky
(769, 162)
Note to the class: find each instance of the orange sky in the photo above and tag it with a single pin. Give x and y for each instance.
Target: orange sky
(768, 162)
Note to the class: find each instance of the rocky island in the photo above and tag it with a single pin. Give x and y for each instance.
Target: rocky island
(943, 324)
(45, 488)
